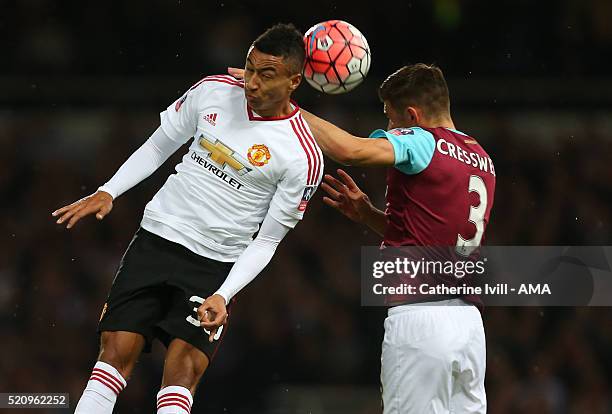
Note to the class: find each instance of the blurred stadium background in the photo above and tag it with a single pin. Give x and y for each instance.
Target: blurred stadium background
(81, 86)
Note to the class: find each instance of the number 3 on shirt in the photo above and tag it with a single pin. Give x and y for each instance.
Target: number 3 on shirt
(466, 247)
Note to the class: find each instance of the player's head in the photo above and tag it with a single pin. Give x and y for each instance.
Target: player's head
(273, 67)
(415, 95)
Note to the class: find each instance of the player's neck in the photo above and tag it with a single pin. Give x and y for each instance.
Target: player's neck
(441, 122)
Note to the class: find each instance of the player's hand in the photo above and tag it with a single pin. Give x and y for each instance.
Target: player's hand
(236, 72)
(346, 197)
(212, 314)
(100, 203)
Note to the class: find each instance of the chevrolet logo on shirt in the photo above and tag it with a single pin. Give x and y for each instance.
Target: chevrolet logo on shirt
(223, 155)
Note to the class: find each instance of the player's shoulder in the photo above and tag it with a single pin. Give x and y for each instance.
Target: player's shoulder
(463, 138)
(409, 131)
(402, 132)
(223, 81)
(301, 137)
(301, 149)
(460, 138)
(218, 82)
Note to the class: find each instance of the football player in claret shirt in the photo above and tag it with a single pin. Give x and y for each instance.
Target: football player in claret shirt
(440, 187)
(252, 166)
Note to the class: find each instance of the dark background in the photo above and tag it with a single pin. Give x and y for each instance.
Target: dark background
(81, 86)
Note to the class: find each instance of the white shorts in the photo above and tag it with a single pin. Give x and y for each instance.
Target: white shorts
(434, 359)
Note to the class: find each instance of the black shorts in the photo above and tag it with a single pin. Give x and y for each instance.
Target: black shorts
(153, 290)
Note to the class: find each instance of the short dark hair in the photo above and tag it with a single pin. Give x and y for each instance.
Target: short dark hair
(286, 41)
(419, 85)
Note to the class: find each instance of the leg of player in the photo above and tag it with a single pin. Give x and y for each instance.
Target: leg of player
(184, 366)
(119, 352)
(433, 359)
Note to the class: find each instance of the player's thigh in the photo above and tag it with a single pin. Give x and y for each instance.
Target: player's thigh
(417, 363)
(137, 300)
(469, 394)
(194, 279)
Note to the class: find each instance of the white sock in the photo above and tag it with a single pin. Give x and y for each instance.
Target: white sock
(101, 391)
(174, 400)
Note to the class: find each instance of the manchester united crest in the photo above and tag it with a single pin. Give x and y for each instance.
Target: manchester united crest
(258, 155)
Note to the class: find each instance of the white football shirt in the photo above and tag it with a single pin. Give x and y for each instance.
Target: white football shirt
(239, 167)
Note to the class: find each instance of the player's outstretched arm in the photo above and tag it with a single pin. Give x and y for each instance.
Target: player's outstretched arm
(141, 164)
(346, 197)
(338, 144)
(346, 148)
(213, 313)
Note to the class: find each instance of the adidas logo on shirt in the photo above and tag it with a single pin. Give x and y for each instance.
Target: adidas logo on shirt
(211, 118)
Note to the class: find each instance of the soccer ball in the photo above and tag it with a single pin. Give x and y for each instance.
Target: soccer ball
(337, 57)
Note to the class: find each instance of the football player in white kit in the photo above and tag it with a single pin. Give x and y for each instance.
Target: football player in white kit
(252, 166)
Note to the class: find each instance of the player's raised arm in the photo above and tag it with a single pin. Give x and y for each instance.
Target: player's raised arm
(338, 144)
(141, 164)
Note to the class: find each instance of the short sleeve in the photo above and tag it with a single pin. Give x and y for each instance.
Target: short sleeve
(180, 120)
(292, 195)
(413, 147)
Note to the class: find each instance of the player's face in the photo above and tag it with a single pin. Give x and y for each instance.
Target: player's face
(268, 81)
(400, 119)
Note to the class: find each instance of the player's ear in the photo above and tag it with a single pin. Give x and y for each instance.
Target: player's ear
(413, 114)
(294, 81)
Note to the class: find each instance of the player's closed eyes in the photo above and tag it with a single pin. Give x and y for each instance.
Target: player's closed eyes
(266, 75)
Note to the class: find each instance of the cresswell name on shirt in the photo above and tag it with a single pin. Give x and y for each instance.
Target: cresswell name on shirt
(470, 158)
(219, 173)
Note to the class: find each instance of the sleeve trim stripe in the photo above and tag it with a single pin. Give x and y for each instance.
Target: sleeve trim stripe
(313, 153)
(226, 77)
(316, 150)
(234, 83)
(219, 78)
(293, 125)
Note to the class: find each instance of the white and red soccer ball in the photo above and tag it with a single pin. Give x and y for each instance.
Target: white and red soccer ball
(337, 57)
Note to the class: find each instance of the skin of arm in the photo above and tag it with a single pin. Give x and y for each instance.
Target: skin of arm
(348, 149)
(141, 164)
